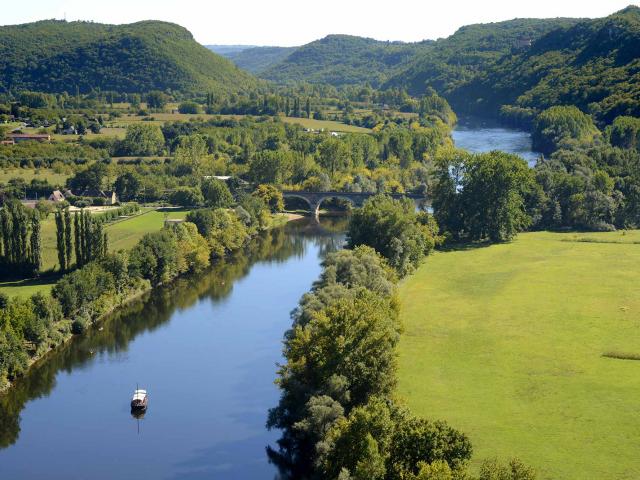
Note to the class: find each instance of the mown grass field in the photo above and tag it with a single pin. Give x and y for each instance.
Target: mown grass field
(28, 174)
(123, 235)
(505, 342)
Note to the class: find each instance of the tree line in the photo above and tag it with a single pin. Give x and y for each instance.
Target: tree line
(20, 241)
(31, 326)
(337, 411)
(89, 238)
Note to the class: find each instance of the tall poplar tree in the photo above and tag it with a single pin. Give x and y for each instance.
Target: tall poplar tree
(60, 240)
(76, 231)
(67, 236)
(35, 241)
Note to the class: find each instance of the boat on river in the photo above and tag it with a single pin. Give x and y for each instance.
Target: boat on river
(139, 400)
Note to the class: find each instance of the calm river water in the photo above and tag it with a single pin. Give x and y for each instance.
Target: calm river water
(206, 349)
(481, 136)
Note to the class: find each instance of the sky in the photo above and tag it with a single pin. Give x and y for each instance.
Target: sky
(296, 22)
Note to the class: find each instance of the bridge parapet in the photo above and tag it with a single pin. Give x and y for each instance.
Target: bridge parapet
(315, 199)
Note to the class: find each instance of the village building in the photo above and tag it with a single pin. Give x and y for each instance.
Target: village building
(56, 196)
(110, 197)
(26, 137)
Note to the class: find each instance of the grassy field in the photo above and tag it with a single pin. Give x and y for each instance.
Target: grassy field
(28, 174)
(161, 118)
(505, 342)
(326, 125)
(123, 235)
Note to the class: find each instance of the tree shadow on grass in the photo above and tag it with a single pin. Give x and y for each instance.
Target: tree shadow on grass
(464, 246)
(30, 282)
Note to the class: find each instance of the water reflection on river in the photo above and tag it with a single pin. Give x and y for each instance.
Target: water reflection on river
(480, 136)
(205, 347)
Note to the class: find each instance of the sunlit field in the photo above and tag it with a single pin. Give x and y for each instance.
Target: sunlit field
(506, 343)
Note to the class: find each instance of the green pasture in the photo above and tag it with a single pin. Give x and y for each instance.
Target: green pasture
(28, 174)
(506, 343)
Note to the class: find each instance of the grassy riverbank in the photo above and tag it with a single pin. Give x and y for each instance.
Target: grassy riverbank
(110, 298)
(506, 343)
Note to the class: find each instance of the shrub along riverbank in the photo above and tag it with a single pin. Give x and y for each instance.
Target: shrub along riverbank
(30, 327)
(339, 414)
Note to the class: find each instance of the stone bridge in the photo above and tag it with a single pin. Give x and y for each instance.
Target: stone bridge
(315, 199)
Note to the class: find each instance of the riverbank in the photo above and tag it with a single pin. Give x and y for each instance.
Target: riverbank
(111, 305)
(506, 343)
(217, 332)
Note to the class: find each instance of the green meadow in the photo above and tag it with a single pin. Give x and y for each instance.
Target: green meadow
(119, 125)
(506, 343)
(28, 174)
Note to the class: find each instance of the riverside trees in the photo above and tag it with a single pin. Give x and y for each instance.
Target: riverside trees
(395, 230)
(337, 412)
(30, 326)
(482, 197)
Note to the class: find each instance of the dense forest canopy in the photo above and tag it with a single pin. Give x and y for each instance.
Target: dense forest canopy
(254, 59)
(593, 65)
(455, 60)
(344, 60)
(59, 56)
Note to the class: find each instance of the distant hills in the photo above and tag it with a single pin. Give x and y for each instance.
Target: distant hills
(528, 64)
(524, 64)
(60, 56)
(592, 64)
(344, 60)
(471, 50)
(258, 59)
(226, 50)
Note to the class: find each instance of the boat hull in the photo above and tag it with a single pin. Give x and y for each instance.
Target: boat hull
(138, 405)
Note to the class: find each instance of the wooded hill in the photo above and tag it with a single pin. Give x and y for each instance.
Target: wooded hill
(594, 65)
(344, 60)
(471, 50)
(58, 56)
(252, 58)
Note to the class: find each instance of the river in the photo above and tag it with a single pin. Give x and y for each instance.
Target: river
(480, 136)
(205, 347)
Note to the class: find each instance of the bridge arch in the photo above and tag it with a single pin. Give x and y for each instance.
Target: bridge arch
(331, 196)
(314, 199)
(310, 202)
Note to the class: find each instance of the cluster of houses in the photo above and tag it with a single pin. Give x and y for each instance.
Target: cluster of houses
(108, 197)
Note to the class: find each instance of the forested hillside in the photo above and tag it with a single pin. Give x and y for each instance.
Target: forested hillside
(594, 65)
(256, 59)
(472, 49)
(58, 56)
(345, 60)
(443, 64)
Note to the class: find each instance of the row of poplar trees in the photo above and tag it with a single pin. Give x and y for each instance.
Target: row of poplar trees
(20, 245)
(86, 238)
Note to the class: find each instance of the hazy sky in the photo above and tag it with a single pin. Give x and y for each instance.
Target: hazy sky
(295, 22)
